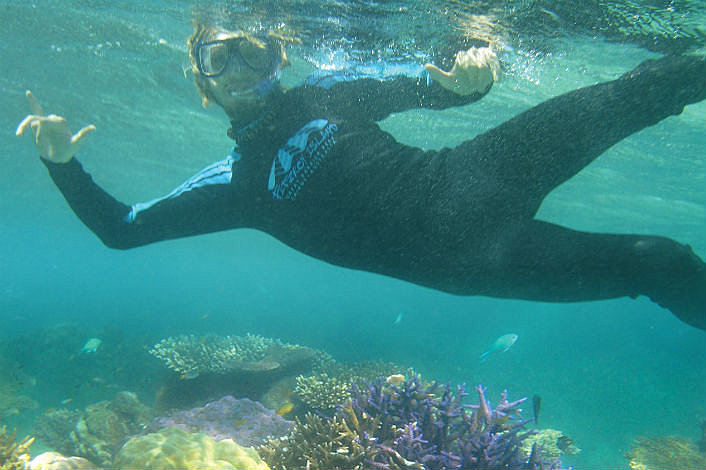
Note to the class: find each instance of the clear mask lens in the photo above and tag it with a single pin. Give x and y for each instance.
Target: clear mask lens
(214, 57)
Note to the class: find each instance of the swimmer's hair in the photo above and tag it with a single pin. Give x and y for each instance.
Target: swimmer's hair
(205, 33)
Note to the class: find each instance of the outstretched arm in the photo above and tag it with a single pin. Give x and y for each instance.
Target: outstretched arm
(375, 97)
(203, 204)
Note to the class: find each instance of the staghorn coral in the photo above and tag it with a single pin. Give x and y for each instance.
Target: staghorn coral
(659, 453)
(552, 444)
(321, 393)
(13, 455)
(410, 426)
(319, 443)
(174, 448)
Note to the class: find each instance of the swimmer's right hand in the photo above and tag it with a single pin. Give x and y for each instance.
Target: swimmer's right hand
(51, 133)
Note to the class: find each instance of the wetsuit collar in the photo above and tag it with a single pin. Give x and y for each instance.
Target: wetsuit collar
(243, 132)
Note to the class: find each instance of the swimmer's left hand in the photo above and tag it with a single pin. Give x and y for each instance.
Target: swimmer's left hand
(473, 71)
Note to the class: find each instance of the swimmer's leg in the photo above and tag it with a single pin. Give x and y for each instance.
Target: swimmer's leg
(555, 264)
(551, 142)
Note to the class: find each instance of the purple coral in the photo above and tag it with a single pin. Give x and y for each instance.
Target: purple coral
(430, 425)
(245, 421)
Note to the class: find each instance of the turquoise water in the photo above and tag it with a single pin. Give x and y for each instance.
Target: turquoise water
(607, 371)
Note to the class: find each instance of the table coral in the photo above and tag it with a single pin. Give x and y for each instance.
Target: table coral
(174, 448)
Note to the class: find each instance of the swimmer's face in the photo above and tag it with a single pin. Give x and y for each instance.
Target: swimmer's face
(235, 69)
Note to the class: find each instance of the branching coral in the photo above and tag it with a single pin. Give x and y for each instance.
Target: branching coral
(410, 426)
(321, 393)
(13, 455)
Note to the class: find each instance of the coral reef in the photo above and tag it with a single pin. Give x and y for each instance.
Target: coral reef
(12, 381)
(321, 393)
(13, 455)
(214, 354)
(552, 444)
(54, 428)
(213, 366)
(174, 448)
(53, 355)
(56, 461)
(413, 425)
(98, 431)
(658, 453)
(245, 421)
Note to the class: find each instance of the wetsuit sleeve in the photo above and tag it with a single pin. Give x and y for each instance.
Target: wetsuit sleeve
(200, 205)
(373, 98)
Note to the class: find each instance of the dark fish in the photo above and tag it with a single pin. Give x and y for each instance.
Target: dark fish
(536, 405)
(564, 442)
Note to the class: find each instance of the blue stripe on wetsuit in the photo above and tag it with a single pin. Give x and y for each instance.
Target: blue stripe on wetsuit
(379, 70)
(219, 172)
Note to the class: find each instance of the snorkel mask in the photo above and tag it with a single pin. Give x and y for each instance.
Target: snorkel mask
(260, 55)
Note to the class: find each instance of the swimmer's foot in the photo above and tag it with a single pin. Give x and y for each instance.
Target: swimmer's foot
(677, 80)
(682, 289)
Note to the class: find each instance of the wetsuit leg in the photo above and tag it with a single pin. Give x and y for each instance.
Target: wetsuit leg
(552, 263)
(546, 145)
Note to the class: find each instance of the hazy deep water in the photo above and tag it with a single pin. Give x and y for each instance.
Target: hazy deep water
(607, 371)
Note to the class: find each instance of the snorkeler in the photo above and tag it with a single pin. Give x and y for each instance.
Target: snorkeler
(312, 168)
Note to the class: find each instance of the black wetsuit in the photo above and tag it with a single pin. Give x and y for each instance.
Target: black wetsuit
(317, 173)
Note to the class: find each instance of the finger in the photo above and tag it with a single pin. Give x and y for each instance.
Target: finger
(34, 104)
(26, 122)
(80, 135)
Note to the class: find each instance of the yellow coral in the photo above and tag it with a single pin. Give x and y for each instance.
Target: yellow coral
(13, 455)
(174, 448)
(658, 453)
(553, 444)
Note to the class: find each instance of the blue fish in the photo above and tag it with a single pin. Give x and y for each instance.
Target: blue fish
(503, 343)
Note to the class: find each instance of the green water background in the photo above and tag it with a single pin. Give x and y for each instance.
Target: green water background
(607, 371)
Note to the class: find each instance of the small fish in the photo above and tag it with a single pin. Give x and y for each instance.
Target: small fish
(204, 316)
(191, 375)
(284, 409)
(536, 404)
(564, 442)
(503, 343)
(240, 422)
(395, 379)
(398, 320)
(67, 401)
(91, 345)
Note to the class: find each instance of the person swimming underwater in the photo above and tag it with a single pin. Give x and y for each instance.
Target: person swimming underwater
(311, 167)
